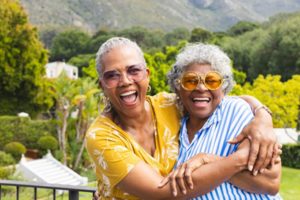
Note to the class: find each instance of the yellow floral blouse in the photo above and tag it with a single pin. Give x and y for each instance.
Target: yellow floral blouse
(114, 152)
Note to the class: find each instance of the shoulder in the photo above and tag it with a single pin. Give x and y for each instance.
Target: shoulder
(101, 128)
(163, 98)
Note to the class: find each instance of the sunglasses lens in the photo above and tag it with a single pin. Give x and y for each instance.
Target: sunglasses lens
(190, 81)
(111, 78)
(213, 80)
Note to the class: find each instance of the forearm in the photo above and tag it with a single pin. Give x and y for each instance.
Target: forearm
(264, 183)
(205, 178)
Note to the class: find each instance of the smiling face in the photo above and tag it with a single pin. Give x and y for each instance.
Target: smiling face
(200, 102)
(128, 98)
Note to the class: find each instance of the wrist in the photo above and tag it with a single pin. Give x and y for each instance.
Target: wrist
(263, 108)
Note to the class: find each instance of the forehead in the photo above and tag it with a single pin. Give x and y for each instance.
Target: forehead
(120, 58)
(200, 69)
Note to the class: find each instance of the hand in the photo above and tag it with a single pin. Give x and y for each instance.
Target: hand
(182, 175)
(263, 141)
(96, 195)
(276, 156)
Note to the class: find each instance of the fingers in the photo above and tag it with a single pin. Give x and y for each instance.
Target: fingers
(277, 152)
(180, 179)
(253, 154)
(188, 177)
(164, 181)
(173, 182)
(239, 138)
(261, 158)
(268, 158)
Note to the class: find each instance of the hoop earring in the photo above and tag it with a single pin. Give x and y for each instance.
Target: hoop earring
(149, 88)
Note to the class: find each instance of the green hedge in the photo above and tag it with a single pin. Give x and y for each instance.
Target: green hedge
(24, 130)
(291, 155)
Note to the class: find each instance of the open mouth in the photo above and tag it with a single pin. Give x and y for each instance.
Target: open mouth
(129, 97)
(201, 101)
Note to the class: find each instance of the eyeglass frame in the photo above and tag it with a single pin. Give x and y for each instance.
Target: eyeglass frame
(143, 67)
(200, 78)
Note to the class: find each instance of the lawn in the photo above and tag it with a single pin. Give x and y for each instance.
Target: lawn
(290, 183)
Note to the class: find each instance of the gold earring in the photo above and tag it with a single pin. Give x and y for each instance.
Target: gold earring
(107, 105)
(149, 88)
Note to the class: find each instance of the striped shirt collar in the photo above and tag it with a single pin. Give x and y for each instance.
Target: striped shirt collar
(214, 118)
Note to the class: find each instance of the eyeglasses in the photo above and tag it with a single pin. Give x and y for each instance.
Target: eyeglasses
(134, 73)
(190, 80)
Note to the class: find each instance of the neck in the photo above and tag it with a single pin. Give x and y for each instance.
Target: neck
(193, 125)
(136, 122)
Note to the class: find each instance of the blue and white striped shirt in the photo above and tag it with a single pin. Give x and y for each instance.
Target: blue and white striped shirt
(227, 121)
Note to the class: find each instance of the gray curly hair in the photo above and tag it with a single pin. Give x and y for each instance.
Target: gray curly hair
(201, 53)
(111, 44)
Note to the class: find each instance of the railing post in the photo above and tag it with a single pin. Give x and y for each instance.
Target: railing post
(0, 192)
(54, 194)
(35, 193)
(17, 192)
(73, 195)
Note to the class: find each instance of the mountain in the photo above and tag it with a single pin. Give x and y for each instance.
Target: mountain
(214, 15)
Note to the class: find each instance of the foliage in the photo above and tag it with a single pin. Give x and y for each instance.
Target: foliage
(178, 34)
(91, 70)
(291, 155)
(64, 91)
(68, 44)
(47, 143)
(22, 58)
(16, 149)
(200, 35)
(274, 50)
(158, 65)
(281, 97)
(81, 61)
(242, 27)
(24, 130)
(6, 159)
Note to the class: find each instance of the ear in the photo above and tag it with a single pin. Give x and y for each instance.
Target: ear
(148, 74)
(101, 86)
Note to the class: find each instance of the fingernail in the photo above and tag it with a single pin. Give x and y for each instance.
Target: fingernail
(159, 185)
(174, 194)
(255, 173)
(251, 168)
(191, 187)
(184, 192)
(262, 170)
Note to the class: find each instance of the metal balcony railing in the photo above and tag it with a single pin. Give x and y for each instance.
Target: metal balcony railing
(73, 190)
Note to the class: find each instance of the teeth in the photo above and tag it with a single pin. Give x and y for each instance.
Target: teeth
(128, 93)
(201, 99)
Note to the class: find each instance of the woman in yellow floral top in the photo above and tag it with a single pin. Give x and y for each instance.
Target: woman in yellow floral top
(134, 143)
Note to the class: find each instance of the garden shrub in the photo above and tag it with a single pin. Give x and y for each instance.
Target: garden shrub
(16, 149)
(24, 130)
(6, 159)
(291, 155)
(45, 143)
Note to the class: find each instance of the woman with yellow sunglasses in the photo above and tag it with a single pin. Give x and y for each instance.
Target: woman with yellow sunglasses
(202, 77)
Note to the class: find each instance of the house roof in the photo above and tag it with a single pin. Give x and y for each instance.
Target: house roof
(286, 135)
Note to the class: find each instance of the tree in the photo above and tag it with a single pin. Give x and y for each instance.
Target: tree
(64, 92)
(68, 44)
(22, 61)
(91, 70)
(242, 27)
(200, 35)
(81, 61)
(87, 109)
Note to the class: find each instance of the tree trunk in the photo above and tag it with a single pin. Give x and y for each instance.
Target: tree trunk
(78, 159)
(58, 128)
(64, 136)
(78, 121)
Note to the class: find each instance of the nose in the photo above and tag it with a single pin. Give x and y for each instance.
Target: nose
(124, 80)
(201, 87)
